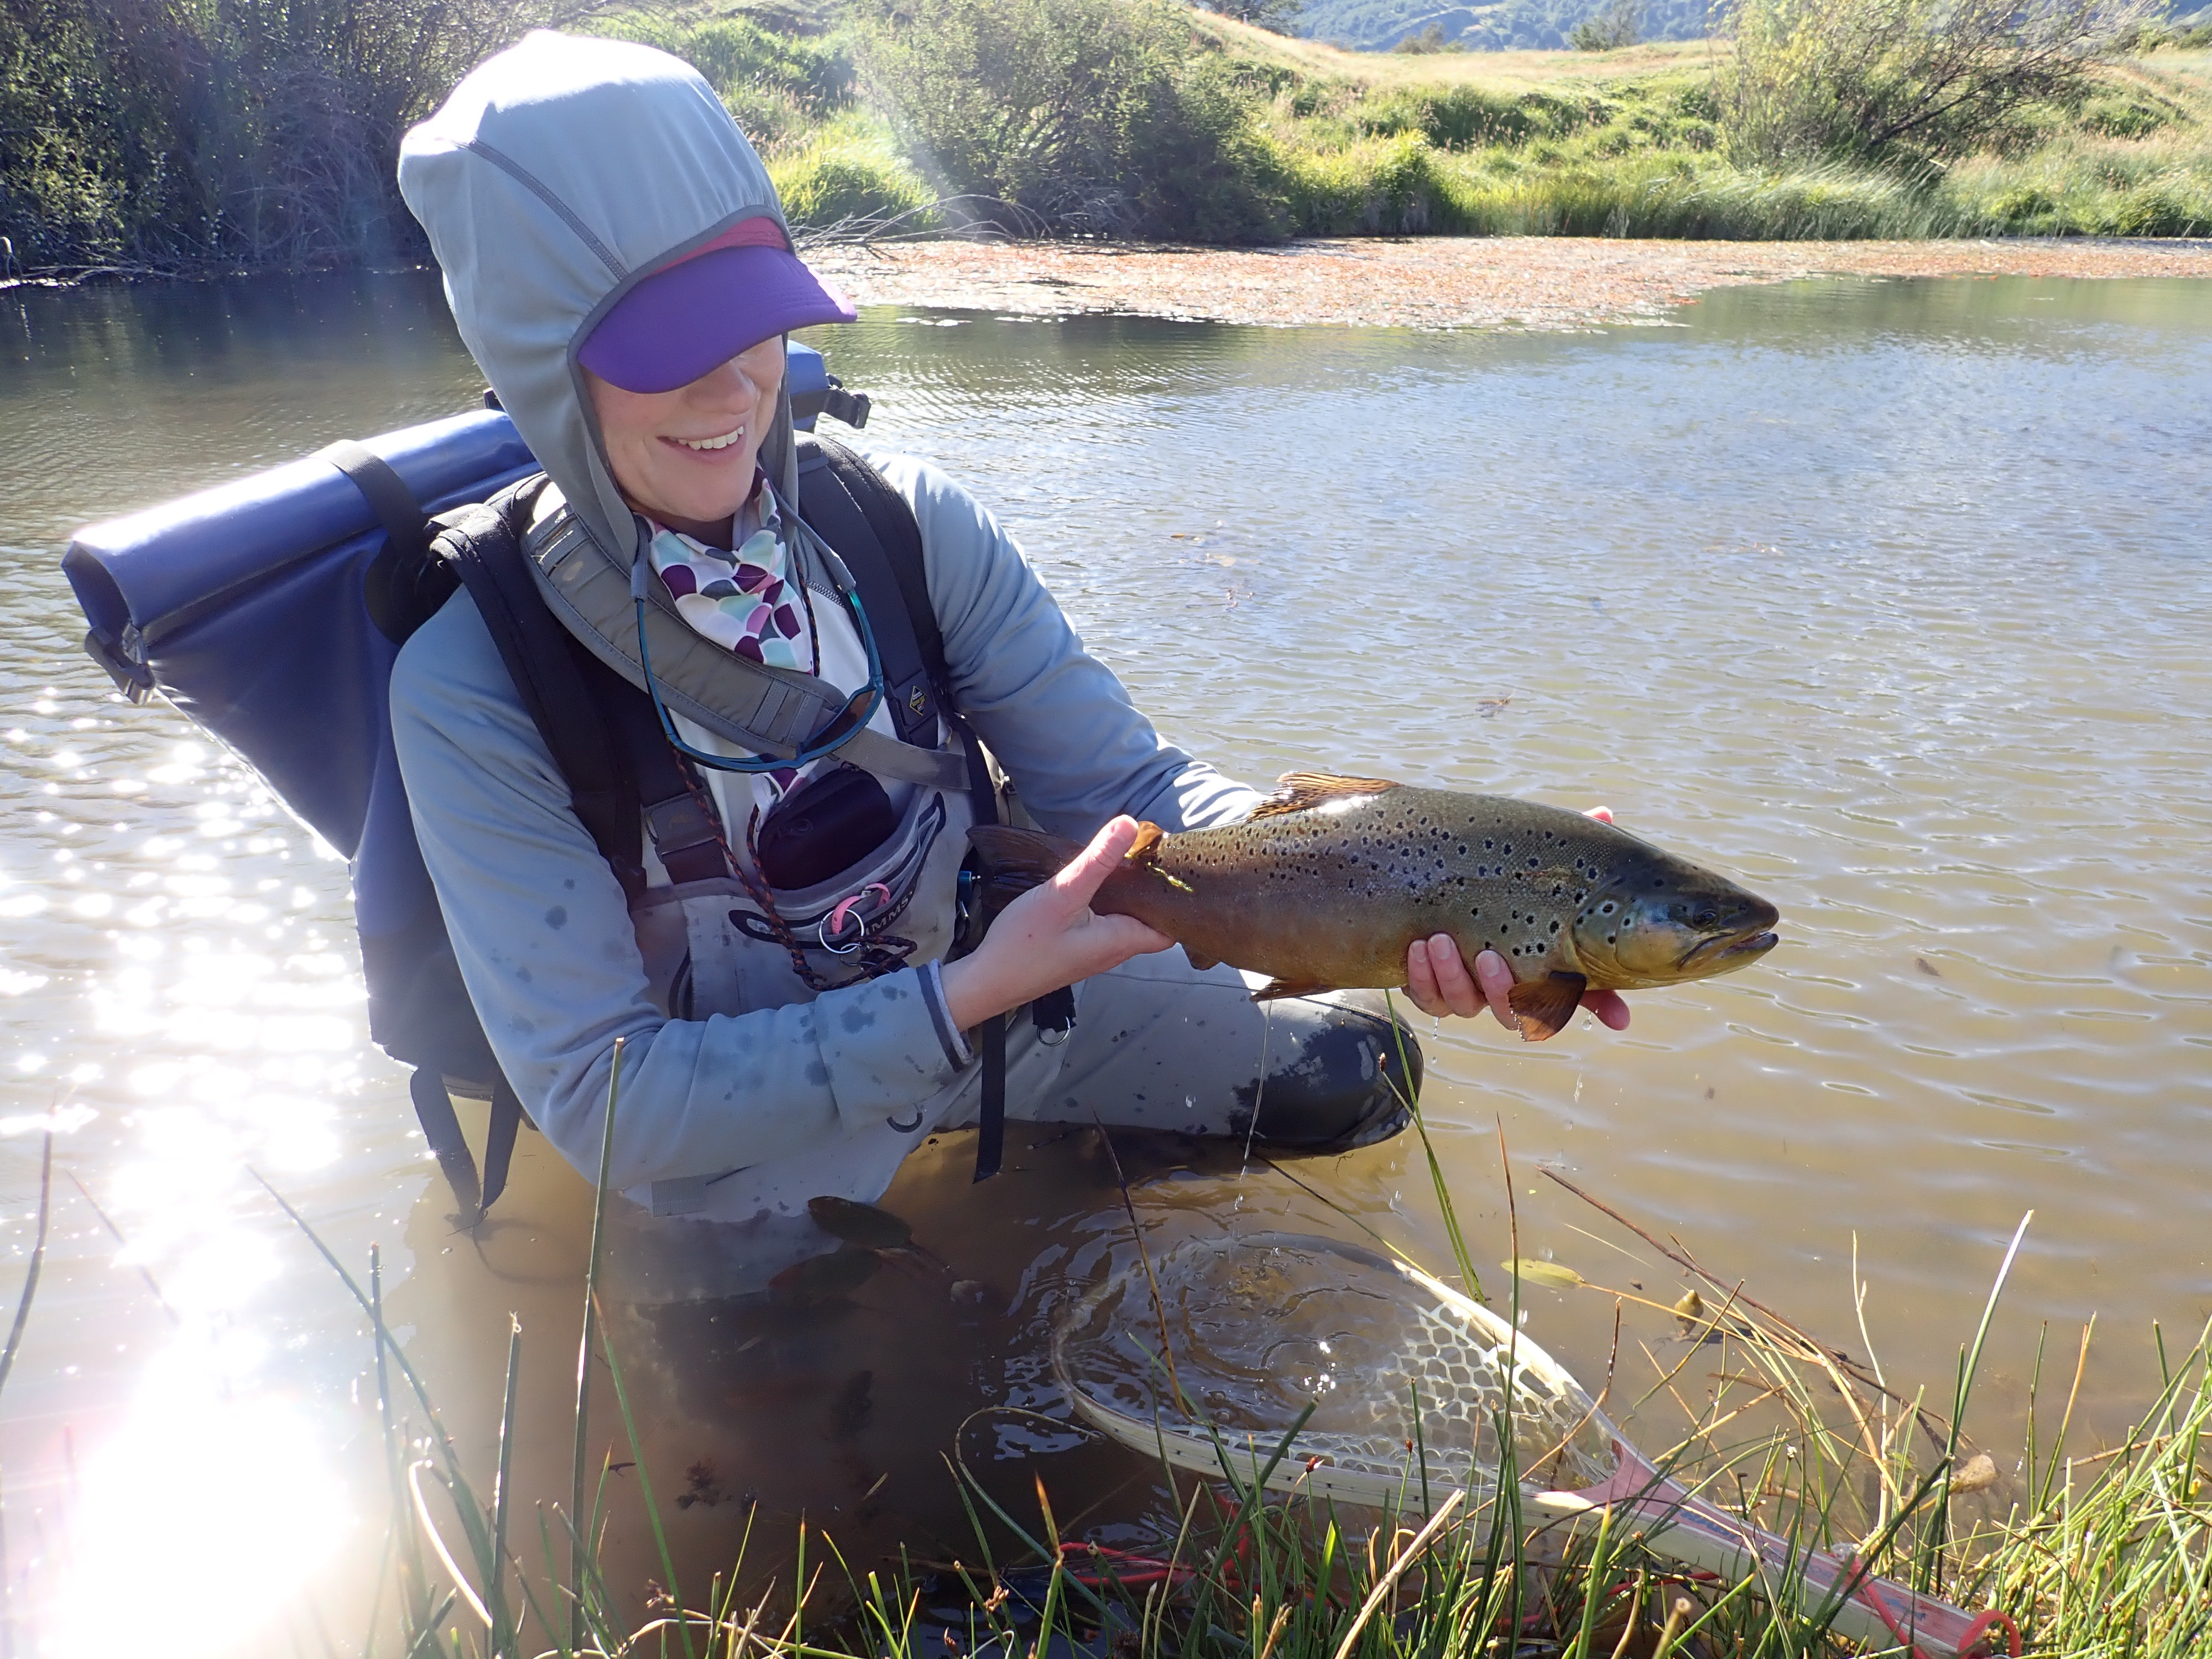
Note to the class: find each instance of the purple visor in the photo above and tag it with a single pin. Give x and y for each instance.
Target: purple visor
(693, 316)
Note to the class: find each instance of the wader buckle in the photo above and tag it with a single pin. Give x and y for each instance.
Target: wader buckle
(832, 926)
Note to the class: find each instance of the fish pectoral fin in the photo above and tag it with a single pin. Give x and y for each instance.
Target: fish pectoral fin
(1300, 792)
(1545, 1005)
(1145, 849)
(1018, 860)
(1198, 962)
(1289, 987)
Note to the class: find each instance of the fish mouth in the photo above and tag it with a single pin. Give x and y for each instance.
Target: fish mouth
(1717, 955)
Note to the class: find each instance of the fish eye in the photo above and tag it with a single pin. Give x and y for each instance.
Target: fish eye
(1706, 918)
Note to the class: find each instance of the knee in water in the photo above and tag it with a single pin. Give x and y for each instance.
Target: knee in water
(1348, 1079)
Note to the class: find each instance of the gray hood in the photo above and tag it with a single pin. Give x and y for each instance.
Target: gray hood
(560, 174)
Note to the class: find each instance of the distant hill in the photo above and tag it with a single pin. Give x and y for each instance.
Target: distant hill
(1378, 25)
(1526, 24)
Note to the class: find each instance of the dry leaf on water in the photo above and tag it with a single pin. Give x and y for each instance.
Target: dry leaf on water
(1557, 1274)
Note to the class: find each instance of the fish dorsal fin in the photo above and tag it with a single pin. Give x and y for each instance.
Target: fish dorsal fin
(1301, 791)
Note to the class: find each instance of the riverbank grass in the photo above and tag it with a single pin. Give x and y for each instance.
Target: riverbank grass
(1633, 144)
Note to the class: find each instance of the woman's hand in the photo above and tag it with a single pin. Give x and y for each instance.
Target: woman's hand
(1048, 937)
(1437, 979)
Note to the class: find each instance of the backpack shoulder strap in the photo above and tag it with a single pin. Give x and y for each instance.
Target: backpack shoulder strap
(558, 682)
(548, 667)
(874, 531)
(851, 507)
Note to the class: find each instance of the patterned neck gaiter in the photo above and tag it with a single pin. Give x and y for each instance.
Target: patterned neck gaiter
(747, 602)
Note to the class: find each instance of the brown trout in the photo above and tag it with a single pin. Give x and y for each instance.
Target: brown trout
(1330, 879)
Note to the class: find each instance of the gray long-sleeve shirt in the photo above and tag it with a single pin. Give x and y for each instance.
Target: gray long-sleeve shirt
(542, 930)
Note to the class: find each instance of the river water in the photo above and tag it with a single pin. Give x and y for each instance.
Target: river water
(1890, 599)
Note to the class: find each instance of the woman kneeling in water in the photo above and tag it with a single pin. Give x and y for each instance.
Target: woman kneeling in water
(618, 265)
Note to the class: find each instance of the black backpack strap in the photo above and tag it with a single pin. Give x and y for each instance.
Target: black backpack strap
(552, 674)
(404, 583)
(849, 506)
(606, 743)
(892, 547)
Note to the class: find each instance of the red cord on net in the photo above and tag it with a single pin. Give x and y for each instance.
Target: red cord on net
(1860, 1579)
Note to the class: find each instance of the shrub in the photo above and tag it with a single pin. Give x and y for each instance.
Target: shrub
(776, 83)
(94, 168)
(1813, 79)
(1385, 187)
(1609, 30)
(1431, 38)
(1465, 116)
(180, 133)
(842, 176)
(1090, 115)
(2122, 116)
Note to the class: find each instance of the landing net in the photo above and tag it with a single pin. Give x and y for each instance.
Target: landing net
(1262, 1325)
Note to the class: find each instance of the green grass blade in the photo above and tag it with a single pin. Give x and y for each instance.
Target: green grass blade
(584, 1344)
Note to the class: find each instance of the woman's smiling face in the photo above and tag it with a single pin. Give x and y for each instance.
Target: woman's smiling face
(685, 458)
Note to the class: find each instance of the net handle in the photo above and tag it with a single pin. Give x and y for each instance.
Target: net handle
(1678, 1524)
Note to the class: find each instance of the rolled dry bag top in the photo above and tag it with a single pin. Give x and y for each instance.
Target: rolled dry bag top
(246, 606)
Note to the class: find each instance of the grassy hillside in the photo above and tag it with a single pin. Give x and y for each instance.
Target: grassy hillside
(1525, 25)
(1626, 142)
(1633, 142)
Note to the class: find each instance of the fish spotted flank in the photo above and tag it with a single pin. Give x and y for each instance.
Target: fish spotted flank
(1331, 879)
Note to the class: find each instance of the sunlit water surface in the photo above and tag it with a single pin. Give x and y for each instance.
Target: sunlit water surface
(1890, 599)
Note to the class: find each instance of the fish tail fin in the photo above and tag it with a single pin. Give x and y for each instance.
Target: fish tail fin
(1015, 861)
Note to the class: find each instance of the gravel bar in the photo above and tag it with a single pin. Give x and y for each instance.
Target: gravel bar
(1440, 281)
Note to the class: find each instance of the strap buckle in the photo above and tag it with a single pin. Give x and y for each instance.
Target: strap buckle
(832, 926)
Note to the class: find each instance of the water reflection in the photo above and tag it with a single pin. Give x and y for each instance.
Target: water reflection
(209, 1485)
(1888, 598)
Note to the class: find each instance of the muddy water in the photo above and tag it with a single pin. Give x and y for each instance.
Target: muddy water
(1889, 598)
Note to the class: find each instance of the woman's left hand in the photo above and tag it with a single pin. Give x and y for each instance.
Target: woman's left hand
(1439, 982)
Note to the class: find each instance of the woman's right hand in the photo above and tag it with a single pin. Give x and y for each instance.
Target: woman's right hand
(1049, 937)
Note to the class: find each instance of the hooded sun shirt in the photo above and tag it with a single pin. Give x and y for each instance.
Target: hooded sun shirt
(648, 166)
(530, 271)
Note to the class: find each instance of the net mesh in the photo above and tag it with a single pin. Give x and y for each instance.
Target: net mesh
(1259, 1326)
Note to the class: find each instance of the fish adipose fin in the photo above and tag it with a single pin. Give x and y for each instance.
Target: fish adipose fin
(1289, 987)
(1015, 861)
(1545, 1005)
(1300, 792)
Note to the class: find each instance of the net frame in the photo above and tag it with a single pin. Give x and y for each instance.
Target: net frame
(1578, 1444)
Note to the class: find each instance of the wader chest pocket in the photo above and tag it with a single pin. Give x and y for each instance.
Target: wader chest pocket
(828, 825)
